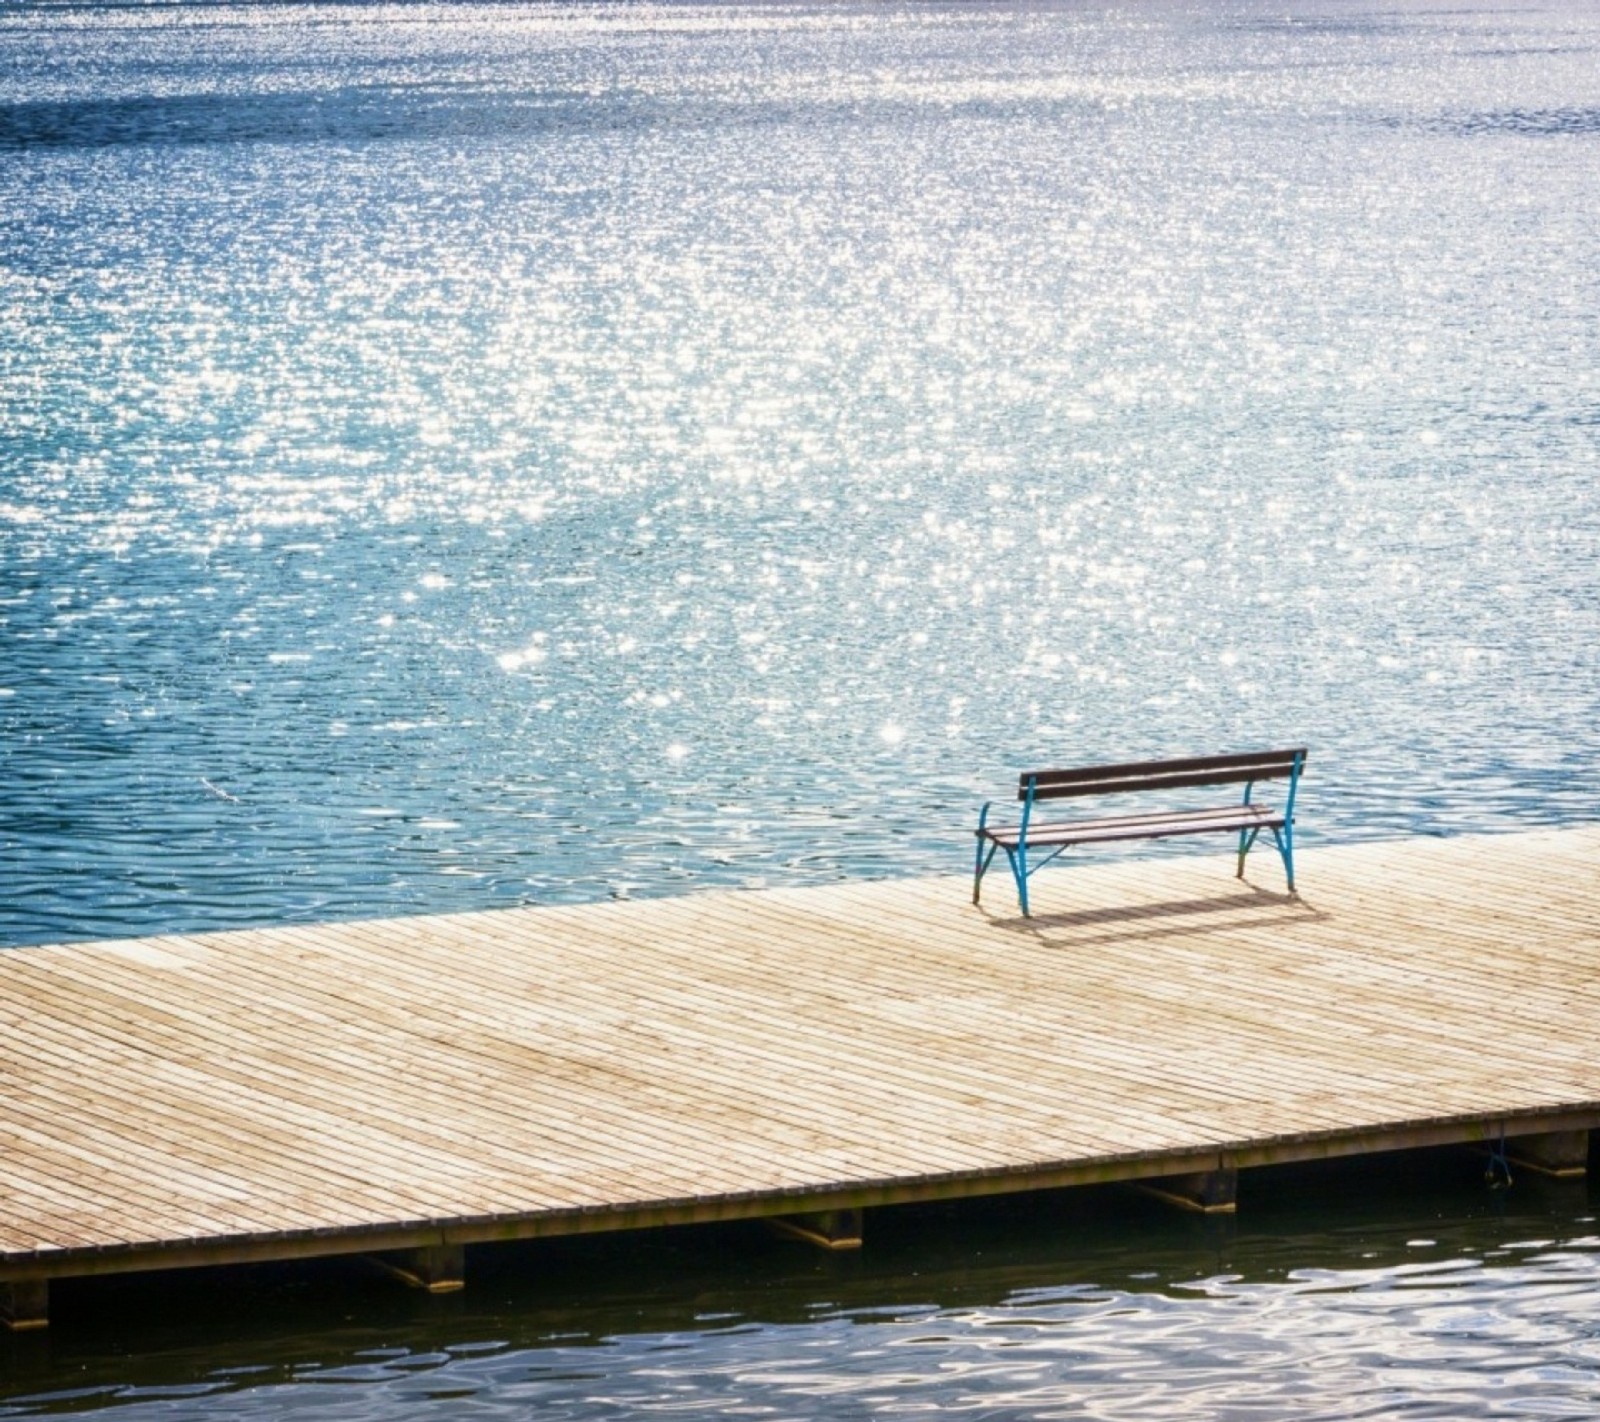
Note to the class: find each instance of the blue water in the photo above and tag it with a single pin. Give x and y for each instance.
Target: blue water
(461, 455)
(456, 455)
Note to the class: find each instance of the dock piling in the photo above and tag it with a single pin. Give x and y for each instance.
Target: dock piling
(25, 1304)
(828, 1229)
(438, 1268)
(1562, 1154)
(1209, 1192)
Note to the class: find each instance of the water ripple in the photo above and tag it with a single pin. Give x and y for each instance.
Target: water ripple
(1450, 1338)
(614, 451)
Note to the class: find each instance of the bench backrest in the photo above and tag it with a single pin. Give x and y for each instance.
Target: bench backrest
(1161, 774)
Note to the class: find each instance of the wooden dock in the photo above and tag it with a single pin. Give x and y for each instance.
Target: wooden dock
(420, 1084)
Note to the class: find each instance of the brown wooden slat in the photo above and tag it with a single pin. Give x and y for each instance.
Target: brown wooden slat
(1157, 774)
(1155, 825)
(1051, 785)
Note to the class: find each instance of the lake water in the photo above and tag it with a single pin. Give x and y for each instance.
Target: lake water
(458, 455)
(1395, 1288)
(462, 455)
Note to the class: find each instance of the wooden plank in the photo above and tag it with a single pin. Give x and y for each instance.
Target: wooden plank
(1151, 774)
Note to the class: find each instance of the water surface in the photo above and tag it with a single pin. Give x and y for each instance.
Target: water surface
(1396, 1287)
(462, 455)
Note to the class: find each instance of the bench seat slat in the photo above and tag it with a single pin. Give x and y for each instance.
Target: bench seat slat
(1160, 825)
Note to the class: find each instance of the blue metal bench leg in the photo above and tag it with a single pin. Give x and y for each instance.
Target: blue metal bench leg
(981, 863)
(1246, 839)
(1019, 858)
(1285, 840)
(981, 867)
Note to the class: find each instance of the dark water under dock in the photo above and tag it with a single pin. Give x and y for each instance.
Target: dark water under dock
(1388, 1287)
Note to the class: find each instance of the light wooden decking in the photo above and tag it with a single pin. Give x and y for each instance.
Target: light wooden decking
(439, 1080)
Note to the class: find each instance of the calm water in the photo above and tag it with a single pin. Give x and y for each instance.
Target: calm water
(458, 455)
(462, 455)
(1405, 1291)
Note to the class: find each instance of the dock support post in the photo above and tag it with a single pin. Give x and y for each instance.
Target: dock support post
(1562, 1154)
(438, 1268)
(25, 1304)
(1209, 1192)
(829, 1229)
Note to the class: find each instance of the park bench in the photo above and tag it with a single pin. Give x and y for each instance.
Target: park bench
(1053, 838)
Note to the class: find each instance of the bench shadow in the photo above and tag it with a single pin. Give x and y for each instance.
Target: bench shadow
(1172, 918)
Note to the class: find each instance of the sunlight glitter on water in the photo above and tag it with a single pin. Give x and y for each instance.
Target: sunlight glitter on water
(1180, 384)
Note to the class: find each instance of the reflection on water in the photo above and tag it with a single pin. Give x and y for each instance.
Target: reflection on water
(1396, 1287)
(491, 454)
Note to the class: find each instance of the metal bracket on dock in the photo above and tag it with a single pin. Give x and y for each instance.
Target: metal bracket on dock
(829, 1229)
(25, 1304)
(438, 1268)
(1208, 1192)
